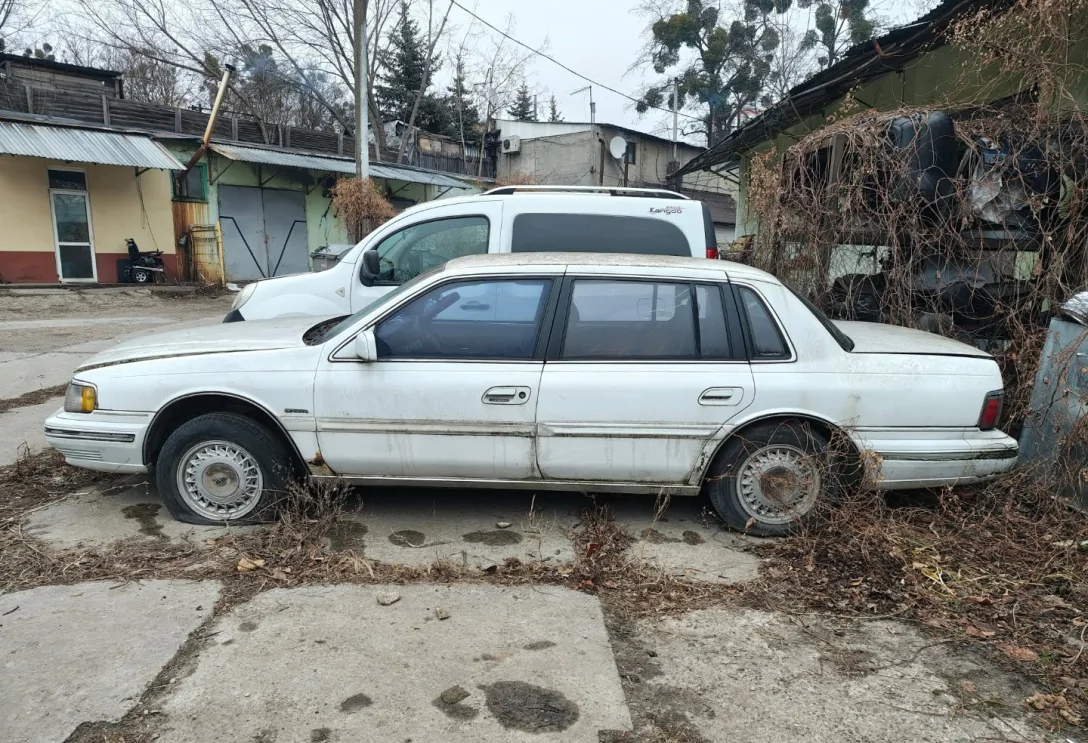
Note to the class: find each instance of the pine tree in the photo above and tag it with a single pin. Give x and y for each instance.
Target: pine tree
(553, 110)
(463, 117)
(401, 73)
(522, 108)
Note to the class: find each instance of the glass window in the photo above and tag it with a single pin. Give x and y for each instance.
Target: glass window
(713, 333)
(190, 186)
(497, 319)
(408, 253)
(68, 180)
(767, 341)
(597, 233)
(629, 320)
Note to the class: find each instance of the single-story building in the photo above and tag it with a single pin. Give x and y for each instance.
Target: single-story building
(69, 197)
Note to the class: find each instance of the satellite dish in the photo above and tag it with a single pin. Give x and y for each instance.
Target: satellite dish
(618, 147)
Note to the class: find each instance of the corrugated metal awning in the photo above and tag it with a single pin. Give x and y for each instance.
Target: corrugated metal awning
(334, 165)
(84, 146)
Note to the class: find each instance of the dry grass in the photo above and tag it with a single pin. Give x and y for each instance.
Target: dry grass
(31, 398)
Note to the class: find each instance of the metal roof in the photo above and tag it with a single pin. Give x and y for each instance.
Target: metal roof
(334, 165)
(85, 146)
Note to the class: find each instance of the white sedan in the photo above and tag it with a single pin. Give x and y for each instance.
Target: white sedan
(602, 373)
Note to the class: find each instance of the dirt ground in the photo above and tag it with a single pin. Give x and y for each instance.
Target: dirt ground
(35, 321)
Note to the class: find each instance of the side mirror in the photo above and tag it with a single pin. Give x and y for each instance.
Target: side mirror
(372, 266)
(366, 347)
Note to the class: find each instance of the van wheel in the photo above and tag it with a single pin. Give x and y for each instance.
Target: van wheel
(222, 468)
(768, 480)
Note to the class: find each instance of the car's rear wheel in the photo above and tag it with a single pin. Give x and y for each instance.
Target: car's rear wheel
(769, 479)
(222, 468)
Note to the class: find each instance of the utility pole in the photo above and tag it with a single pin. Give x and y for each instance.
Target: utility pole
(592, 105)
(675, 113)
(362, 91)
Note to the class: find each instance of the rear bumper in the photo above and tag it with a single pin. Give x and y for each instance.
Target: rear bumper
(103, 441)
(967, 461)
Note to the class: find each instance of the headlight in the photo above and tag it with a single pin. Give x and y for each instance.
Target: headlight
(80, 398)
(244, 295)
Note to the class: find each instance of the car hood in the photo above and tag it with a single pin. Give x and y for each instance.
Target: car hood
(872, 337)
(255, 335)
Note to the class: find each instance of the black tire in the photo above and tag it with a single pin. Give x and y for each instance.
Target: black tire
(269, 452)
(737, 502)
(141, 276)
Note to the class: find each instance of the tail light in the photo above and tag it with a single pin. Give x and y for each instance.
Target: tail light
(712, 253)
(991, 410)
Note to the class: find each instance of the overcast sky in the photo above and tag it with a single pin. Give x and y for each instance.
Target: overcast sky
(600, 39)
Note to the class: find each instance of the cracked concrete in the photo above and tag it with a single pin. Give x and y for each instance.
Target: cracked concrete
(71, 654)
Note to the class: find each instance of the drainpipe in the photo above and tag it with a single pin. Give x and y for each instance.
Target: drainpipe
(203, 148)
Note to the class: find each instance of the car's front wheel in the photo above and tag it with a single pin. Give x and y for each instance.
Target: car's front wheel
(222, 468)
(768, 480)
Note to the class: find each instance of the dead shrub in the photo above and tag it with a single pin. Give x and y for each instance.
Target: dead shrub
(360, 206)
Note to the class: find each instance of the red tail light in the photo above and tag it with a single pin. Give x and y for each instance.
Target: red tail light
(991, 410)
(712, 253)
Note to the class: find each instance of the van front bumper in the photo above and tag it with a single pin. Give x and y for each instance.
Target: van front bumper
(103, 441)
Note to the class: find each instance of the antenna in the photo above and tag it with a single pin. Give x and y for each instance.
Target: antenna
(592, 105)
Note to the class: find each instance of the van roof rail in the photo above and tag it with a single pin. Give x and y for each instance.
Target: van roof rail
(658, 193)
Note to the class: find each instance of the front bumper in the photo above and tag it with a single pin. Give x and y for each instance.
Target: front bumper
(104, 440)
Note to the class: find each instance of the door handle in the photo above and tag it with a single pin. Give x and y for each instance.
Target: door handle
(721, 396)
(506, 396)
(472, 304)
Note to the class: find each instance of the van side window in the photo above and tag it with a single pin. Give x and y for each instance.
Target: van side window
(597, 233)
(409, 252)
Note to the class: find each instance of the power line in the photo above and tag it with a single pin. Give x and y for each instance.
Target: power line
(555, 61)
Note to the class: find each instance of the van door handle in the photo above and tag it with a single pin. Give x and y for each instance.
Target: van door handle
(721, 396)
(506, 396)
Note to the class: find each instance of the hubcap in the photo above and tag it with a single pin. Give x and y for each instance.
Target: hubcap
(778, 484)
(220, 480)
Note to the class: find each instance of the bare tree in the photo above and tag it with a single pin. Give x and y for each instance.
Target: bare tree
(16, 17)
(432, 41)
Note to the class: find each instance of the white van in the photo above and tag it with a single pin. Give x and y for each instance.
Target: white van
(513, 219)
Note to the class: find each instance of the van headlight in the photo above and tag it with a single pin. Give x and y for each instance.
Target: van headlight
(80, 398)
(244, 295)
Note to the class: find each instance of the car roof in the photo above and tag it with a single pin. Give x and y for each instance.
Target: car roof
(542, 195)
(500, 261)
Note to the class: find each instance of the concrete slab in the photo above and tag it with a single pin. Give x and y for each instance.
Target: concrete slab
(755, 676)
(72, 654)
(686, 541)
(31, 373)
(331, 664)
(130, 509)
(25, 425)
(415, 527)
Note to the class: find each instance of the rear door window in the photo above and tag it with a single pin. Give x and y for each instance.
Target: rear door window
(597, 233)
(630, 320)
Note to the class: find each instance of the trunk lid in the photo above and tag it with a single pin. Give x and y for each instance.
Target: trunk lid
(871, 337)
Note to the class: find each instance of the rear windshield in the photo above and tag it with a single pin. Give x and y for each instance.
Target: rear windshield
(840, 337)
(597, 233)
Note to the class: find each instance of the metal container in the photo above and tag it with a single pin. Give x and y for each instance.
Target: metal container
(328, 256)
(1054, 440)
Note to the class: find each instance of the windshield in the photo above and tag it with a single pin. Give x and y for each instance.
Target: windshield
(319, 333)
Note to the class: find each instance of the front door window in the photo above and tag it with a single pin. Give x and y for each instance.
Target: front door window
(72, 225)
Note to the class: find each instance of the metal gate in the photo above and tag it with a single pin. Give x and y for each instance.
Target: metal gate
(264, 232)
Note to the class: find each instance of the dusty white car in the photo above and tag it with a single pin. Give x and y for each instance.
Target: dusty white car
(621, 373)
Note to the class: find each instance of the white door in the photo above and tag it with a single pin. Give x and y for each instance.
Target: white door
(453, 393)
(645, 377)
(434, 237)
(73, 238)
